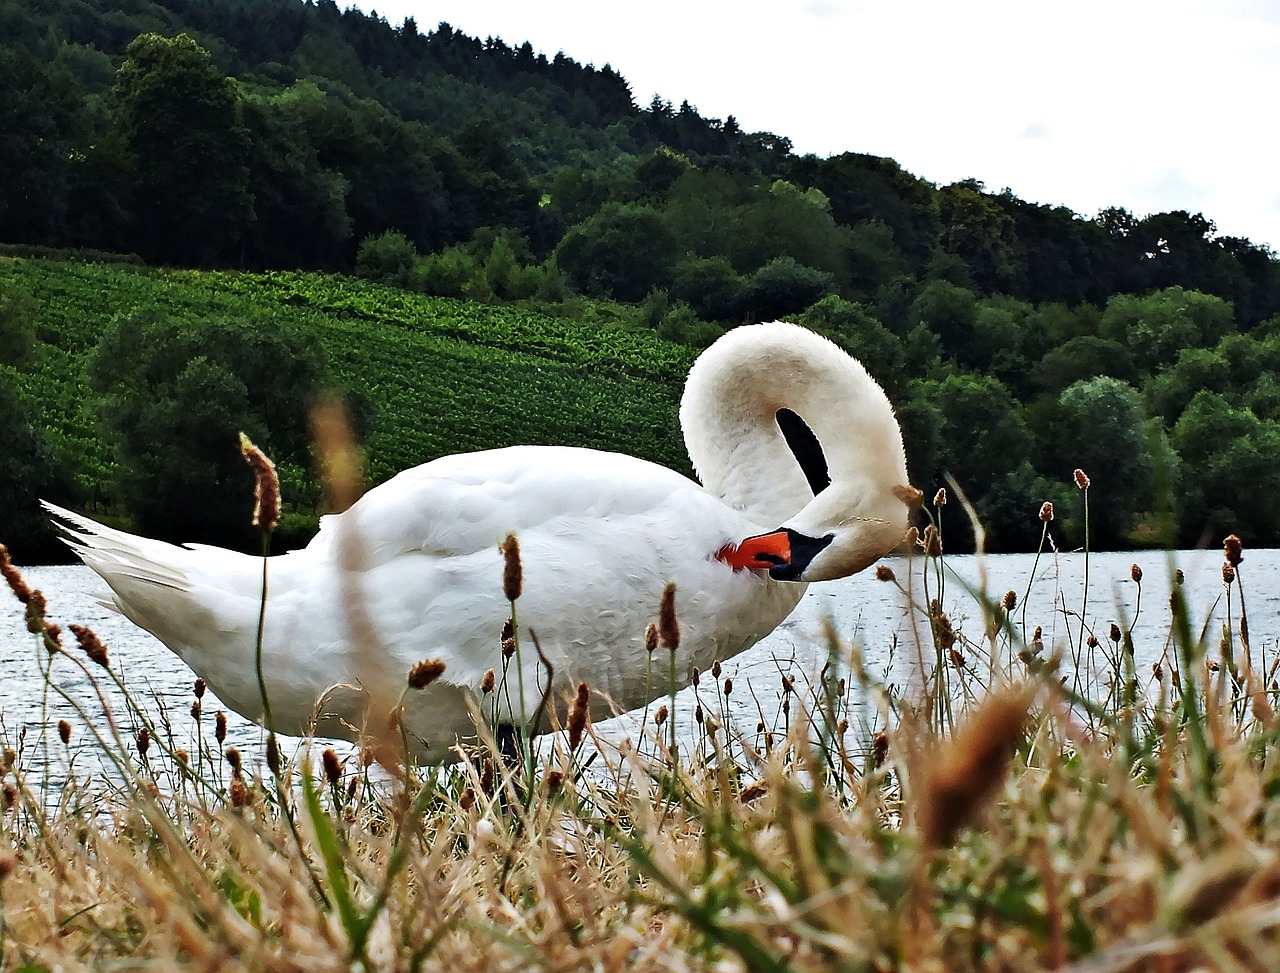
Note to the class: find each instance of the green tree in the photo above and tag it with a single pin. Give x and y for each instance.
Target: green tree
(174, 395)
(1098, 426)
(388, 258)
(1157, 326)
(784, 287)
(623, 252)
(29, 476)
(985, 444)
(180, 120)
(1231, 470)
(711, 287)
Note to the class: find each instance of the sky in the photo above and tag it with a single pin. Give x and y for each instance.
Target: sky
(1151, 105)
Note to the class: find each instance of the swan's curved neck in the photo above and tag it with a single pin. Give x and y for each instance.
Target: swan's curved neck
(729, 418)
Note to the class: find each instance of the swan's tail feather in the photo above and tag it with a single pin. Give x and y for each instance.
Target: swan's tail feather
(115, 554)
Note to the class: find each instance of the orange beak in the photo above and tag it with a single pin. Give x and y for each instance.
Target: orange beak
(759, 553)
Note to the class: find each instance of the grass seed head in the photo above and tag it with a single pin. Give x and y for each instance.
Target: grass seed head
(1082, 479)
(424, 673)
(488, 682)
(1228, 573)
(1114, 633)
(143, 741)
(220, 726)
(885, 573)
(1135, 573)
(90, 644)
(234, 759)
(332, 767)
(10, 573)
(940, 498)
(651, 638)
(879, 749)
(198, 688)
(1046, 511)
(512, 572)
(64, 731)
(660, 717)
(266, 485)
(931, 542)
(195, 709)
(1010, 600)
(578, 718)
(668, 627)
(273, 754)
(966, 770)
(239, 792)
(1233, 550)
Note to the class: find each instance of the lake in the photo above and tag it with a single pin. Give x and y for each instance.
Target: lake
(866, 612)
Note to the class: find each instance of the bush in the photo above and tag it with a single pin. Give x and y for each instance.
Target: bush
(783, 287)
(388, 258)
(17, 324)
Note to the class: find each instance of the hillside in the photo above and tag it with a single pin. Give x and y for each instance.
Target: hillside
(428, 376)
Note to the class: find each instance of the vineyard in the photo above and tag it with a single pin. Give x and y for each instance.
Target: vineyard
(430, 376)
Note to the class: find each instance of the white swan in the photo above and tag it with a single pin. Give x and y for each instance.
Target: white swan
(601, 534)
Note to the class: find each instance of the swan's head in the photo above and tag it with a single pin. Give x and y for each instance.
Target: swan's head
(792, 430)
(847, 527)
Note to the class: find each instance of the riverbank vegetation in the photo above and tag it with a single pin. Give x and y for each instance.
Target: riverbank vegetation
(1016, 339)
(991, 813)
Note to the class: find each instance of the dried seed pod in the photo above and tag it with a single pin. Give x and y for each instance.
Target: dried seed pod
(90, 644)
(960, 777)
(512, 572)
(879, 749)
(332, 767)
(424, 673)
(273, 754)
(266, 485)
(668, 627)
(1233, 550)
(578, 718)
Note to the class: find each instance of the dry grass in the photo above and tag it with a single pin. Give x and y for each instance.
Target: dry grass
(1013, 822)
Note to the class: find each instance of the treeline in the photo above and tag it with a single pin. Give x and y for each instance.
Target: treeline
(1020, 340)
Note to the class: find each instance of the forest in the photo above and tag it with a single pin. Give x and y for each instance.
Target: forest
(204, 145)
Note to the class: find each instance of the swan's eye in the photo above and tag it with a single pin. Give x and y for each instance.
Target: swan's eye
(805, 448)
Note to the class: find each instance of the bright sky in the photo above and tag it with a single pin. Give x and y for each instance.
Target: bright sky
(1151, 105)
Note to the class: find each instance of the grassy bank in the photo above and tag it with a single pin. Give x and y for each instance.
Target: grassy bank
(1002, 821)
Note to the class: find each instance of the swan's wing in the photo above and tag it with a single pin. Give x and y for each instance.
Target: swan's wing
(465, 503)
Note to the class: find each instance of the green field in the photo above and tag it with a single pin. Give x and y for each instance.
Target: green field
(434, 376)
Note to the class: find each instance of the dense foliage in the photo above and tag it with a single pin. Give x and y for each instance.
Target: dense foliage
(1019, 340)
